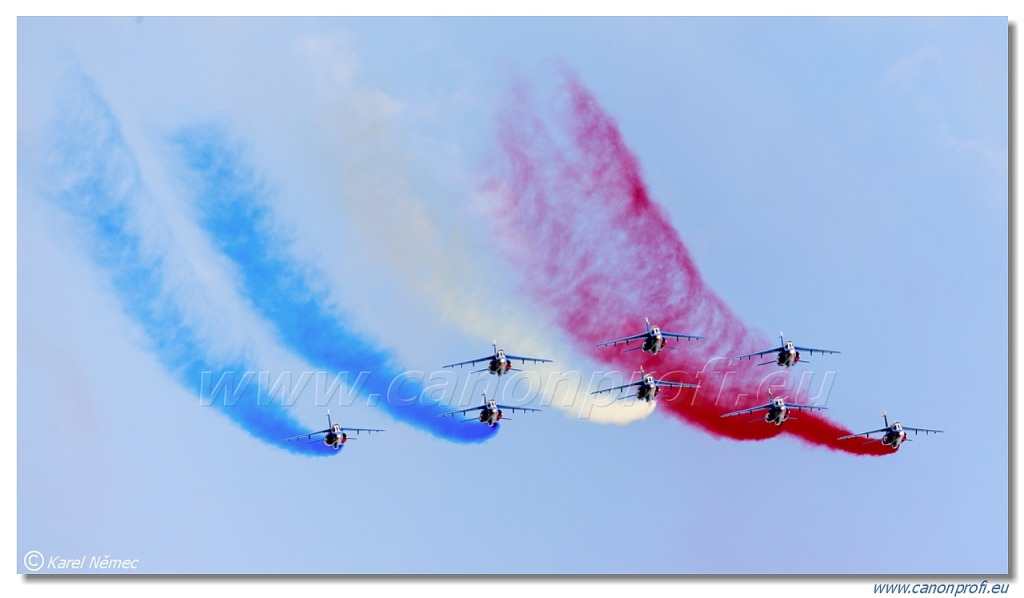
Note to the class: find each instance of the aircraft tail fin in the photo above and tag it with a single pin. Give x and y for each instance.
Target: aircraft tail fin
(648, 322)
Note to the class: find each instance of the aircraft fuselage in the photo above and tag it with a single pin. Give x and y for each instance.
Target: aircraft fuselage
(499, 365)
(335, 439)
(490, 416)
(788, 358)
(654, 343)
(776, 415)
(894, 438)
(647, 392)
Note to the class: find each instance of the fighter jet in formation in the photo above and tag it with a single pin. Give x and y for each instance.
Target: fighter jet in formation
(499, 363)
(648, 388)
(777, 409)
(490, 412)
(654, 339)
(892, 435)
(335, 434)
(787, 354)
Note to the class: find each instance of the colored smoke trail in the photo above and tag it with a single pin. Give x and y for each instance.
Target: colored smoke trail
(233, 210)
(101, 186)
(571, 203)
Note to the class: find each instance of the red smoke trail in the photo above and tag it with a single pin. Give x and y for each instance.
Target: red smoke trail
(571, 205)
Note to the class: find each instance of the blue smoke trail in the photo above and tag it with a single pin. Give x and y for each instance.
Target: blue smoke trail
(100, 184)
(233, 210)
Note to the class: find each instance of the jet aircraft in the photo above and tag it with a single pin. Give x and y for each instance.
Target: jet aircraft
(490, 411)
(499, 363)
(654, 339)
(788, 354)
(777, 409)
(335, 434)
(892, 435)
(647, 387)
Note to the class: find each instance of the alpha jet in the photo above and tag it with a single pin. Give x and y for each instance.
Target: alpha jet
(892, 435)
(787, 354)
(778, 410)
(654, 339)
(648, 388)
(499, 363)
(490, 412)
(335, 434)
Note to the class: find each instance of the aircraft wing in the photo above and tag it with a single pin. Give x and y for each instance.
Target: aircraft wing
(812, 350)
(802, 406)
(691, 337)
(617, 387)
(462, 411)
(525, 359)
(675, 384)
(864, 434)
(759, 353)
(635, 337)
(925, 430)
(470, 362)
(513, 409)
(358, 430)
(745, 411)
(308, 435)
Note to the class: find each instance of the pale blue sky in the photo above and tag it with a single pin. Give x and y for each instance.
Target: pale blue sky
(876, 147)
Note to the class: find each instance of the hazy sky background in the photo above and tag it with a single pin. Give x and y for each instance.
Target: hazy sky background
(843, 180)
